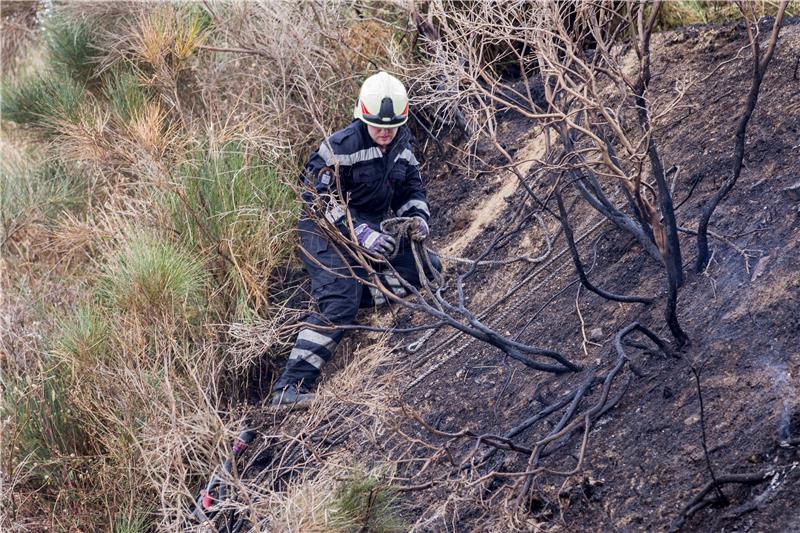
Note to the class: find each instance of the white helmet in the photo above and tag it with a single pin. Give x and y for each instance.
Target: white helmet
(382, 102)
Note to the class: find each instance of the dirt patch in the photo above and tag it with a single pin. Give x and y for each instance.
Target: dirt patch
(504, 186)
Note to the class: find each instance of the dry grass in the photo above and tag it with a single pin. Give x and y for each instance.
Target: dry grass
(136, 292)
(306, 75)
(685, 12)
(322, 491)
(16, 32)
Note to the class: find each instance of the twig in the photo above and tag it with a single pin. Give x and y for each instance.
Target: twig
(563, 217)
(759, 67)
(233, 50)
(699, 502)
(720, 496)
(585, 340)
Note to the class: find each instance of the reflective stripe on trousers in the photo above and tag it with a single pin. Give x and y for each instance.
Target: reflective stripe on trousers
(311, 351)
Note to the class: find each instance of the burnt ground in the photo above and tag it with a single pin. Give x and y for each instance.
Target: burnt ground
(645, 460)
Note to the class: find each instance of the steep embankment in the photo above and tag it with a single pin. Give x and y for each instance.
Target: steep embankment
(644, 459)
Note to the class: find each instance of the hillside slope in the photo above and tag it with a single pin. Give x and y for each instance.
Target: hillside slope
(644, 460)
(150, 289)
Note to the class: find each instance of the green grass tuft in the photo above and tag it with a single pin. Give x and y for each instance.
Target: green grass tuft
(71, 47)
(58, 92)
(59, 187)
(231, 191)
(84, 336)
(136, 523)
(43, 99)
(235, 200)
(152, 274)
(363, 503)
(125, 93)
(196, 14)
(38, 193)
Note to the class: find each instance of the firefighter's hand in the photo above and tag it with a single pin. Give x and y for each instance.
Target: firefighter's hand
(374, 241)
(419, 229)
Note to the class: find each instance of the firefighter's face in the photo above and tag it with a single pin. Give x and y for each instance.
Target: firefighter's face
(382, 136)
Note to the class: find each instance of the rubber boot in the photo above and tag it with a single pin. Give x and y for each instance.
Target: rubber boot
(294, 396)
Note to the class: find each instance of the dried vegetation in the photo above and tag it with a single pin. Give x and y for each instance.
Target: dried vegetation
(146, 207)
(149, 175)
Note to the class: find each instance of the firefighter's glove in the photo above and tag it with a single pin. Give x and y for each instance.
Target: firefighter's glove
(374, 241)
(418, 230)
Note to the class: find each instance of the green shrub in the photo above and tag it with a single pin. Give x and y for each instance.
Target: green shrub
(230, 190)
(125, 93)
(233, 199)
(71, 47)
(363, 503)
(43, 99)
(151, 274)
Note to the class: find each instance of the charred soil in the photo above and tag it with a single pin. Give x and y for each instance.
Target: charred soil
(645, 460)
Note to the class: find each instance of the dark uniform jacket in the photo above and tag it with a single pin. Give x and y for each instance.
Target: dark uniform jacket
(373, 183)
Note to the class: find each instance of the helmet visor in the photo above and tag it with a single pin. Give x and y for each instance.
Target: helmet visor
(386, 116)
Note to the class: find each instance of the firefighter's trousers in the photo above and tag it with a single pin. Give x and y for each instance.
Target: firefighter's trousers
(338, 298)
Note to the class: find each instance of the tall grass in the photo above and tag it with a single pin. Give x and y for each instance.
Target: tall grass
(43, 99)
(126, 94)
(234, 202)
(34, 192)
(679, 13)
(132, 523)
(151, 274)
(164, 37)
(231, 188)
(84, 336)
(58, 90)
(45, 426)
(71, 47)
(130, 381)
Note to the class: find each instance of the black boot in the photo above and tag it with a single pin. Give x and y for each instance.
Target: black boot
(297, 396)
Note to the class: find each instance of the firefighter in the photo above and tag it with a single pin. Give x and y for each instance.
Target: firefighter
(378, 174)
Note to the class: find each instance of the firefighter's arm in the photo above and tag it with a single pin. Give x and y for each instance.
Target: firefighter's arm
(326, 201)
(410, 199)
